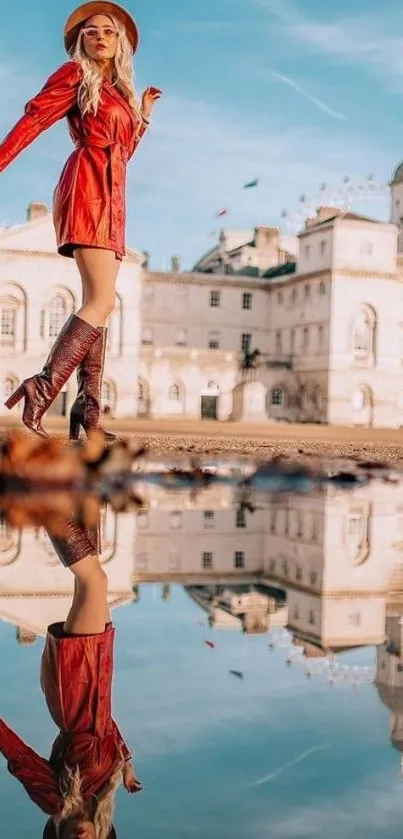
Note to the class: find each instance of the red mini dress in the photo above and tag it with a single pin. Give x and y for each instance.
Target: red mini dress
(89, 205)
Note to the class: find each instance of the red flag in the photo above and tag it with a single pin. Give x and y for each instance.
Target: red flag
(210, 644)
(222, 212)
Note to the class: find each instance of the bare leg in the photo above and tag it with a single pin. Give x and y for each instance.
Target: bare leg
(98, 269)
(89, 610)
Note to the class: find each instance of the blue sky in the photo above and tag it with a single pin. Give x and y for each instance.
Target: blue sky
(203, 740)
(295, 92)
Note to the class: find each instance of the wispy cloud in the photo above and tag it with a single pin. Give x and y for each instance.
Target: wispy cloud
(315, 101)
(294, 762)
(198, 156)
(366, 40)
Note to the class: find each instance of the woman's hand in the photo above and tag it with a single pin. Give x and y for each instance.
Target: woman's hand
(131, 783)
(150, 97)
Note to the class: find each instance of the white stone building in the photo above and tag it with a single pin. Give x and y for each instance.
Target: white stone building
(323, 310)
(38, 291)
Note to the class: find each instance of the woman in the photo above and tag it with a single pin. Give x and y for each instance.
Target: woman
(95, 91)
(76, 787)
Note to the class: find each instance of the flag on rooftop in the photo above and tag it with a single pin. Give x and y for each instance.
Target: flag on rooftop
(222, 212)
(251, 184)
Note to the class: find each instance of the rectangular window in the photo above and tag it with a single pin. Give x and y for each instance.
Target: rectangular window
(214, 341)
(142, 521)
(208, 516)
(279, 346)
(175, 519)
(207, 559)
(246, 300)
(147, 337)
(141, 561)
(239, 559)
(246, 341)
(174, 561)
(7, 326)
(148, 295)
(215, 299)
(323, 248)
(240, 517)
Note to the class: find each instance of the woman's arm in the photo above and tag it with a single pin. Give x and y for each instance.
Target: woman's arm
(33, 771)
(52, 103)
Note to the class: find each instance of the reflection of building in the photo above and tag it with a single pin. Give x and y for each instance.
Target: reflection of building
(389, 673)
(35, 589)
(322, 309)
(251, 608)
(336, 556)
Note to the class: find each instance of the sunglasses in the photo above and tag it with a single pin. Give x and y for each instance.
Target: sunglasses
(93, 32)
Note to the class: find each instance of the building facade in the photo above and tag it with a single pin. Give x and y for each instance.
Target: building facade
(265, 327)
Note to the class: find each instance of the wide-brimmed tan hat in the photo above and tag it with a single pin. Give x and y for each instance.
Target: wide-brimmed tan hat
(99, 7)
(50, 831)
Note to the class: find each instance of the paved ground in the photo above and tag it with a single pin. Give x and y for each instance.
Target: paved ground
(300, 443)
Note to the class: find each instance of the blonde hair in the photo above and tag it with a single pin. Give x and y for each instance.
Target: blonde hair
(90, 90)
(74, 807)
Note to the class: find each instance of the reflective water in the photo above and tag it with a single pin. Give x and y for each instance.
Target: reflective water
(258, 662)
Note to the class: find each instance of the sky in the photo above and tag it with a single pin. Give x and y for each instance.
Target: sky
(293, 92)
(275, 755)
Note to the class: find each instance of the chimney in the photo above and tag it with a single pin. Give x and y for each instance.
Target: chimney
(175, 264)
(25, 637)
(266, 238)
(322, 214)
(36, 209)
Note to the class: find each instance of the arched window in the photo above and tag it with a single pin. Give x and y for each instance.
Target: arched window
(174, 393)
(278, 343)
(277, 396)
(6, 536)
(357, 536)
(147, 338)
(181, 337)
(303, 398)
(143, 397)
(305, 339)
(57, 315)
(108, 397)
(317, 397)
(363, 331)
(320, 338)
(9, 543)
(115, 329)
(9, 385)
(108, 534)
(13, 313)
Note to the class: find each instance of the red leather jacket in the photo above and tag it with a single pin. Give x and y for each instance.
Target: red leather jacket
(89, 200)
(76, 677)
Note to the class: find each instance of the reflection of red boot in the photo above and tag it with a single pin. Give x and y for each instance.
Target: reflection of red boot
(76, 543)
(86, 410)
(71, 345)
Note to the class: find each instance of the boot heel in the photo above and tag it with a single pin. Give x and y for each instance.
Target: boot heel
(74, 430)
(15, 397)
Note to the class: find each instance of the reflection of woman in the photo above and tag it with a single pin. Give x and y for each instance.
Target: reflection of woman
(106, 121)
(89, 759)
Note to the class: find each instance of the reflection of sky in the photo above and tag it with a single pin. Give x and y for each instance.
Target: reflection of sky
(203, 739)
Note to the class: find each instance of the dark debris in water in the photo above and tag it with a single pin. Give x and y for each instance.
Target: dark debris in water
(43, 481)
